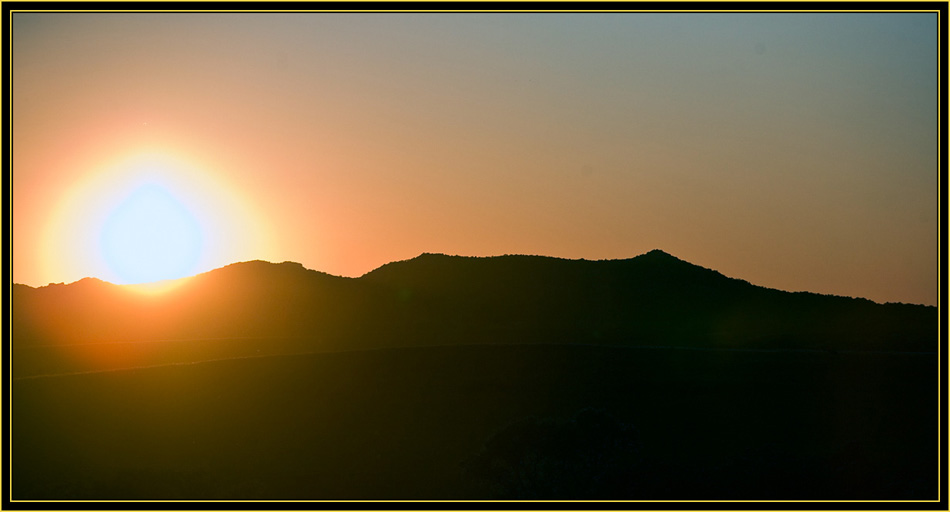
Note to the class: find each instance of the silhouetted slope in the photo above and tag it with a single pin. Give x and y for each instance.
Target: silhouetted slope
(260, 299)
(537, 391)
(542, 297)
(60, 312)
(241, 300)
(245, 309)
(486, 422)
(652, 299)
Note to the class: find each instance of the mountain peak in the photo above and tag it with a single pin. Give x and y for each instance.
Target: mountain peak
(660, 253)
(263, 264)
(86, 282)
(661, 257)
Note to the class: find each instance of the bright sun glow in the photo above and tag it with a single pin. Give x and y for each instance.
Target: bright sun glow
(151, 236)
(151, 217)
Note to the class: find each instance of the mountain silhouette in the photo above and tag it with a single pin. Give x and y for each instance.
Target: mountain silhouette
(652, 298)
(450, 377)
(434, 299)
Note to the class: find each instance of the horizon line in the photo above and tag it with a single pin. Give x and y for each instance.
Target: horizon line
(173, 282)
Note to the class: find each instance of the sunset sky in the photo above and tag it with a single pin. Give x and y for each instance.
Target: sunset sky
(796, 151)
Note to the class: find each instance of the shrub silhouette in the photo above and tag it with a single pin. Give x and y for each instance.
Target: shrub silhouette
(589, 455)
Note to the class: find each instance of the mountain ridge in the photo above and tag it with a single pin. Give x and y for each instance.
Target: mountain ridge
(452, 377)
(656, 255)
(653, 298)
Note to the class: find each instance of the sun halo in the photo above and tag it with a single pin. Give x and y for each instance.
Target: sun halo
(150, 217)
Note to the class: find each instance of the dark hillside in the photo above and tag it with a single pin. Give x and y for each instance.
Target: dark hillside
(446, 377)
(484, 422)
(245, 299)
(258, 308)
(654, 298)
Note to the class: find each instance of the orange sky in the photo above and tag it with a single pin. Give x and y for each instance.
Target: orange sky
(796, 151)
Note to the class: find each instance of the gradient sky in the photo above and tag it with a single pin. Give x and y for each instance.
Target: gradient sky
(796, 151)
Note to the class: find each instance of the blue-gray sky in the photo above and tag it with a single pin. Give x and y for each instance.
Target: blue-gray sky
(796, 151)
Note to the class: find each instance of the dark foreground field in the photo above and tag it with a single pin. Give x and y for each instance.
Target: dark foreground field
(484, 422)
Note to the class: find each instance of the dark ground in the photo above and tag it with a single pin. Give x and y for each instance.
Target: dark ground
(484, 422)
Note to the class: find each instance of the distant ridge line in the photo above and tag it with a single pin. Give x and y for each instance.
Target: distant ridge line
(658, 255)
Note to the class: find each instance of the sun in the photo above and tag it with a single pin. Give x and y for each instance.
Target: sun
(151, 216)
(151, 236)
